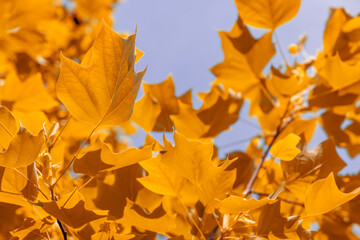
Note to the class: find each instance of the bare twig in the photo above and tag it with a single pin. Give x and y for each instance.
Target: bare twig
(281, 199)
(61, 131)
(253, 177)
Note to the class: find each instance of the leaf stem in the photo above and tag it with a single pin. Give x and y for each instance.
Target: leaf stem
(280, 198)
(61, 131)
(31, 182)
(280, 48)
(75, 156)
(192, 219)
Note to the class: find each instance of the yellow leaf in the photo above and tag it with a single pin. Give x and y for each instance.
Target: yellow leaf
(23, 149)
(323, 196)
(242, 65)
(152, 222)
(159, 102)
(102, 93)
(33, 121)
(30, 95)
(8, 127)
(33, 229)
(266, 13)
(236, 205)
(285, 149)
(71, 210)
(338, 73)
(104, 159)
(192, 160)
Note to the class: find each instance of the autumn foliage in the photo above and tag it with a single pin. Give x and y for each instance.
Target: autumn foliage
(68, 90)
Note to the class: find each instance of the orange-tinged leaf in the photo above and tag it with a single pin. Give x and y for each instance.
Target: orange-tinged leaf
(285, 149)
(104, 159)
(102, 93)
(323, 196)
(33, 121)
(23, 149)
(26, 96)
(8, 127)
(267, 13)
(236, 205)
(158, 223)
(153, 109)
(33, 229)
(71, 210)
(338, 73)
(242, 66)
(192, 160)
(159, 102)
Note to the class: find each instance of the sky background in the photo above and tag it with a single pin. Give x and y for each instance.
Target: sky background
(180, 38)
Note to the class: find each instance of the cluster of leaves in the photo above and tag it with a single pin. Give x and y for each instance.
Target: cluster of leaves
(67, 171)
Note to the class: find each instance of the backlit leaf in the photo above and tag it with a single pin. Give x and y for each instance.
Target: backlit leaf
(285, 149)
(324, 195)
(23, 149)
(266, 13)
(102, 93)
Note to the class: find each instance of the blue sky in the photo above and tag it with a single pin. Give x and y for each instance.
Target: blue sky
(180, 38)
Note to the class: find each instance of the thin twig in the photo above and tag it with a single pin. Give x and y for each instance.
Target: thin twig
(253, 177)
(75, 156)
(61, 131)
(31, 182)
(280, 48)
(280, 198)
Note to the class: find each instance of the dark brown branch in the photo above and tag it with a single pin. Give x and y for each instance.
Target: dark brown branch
(61, 226)
(64, 233)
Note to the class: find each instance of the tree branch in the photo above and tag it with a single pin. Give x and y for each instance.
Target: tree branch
(253, 177)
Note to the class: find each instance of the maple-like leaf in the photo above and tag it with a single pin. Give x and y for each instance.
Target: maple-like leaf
(267, 13)
(33, 229)
(71, 210)
(23, 149)
(338, 73)
(324, 195)
(242, 65)
(27, 96)
(157, 221)
(272, 222)
(192, 160)
(102, 93)
(104, 159)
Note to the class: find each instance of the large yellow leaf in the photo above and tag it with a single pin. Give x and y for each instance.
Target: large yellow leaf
(71, 210)
(285, 149)
(23, 149)
(192, 160)
(323, 196)
(104, 159)
(102, 93)
(242, 65)
(267, 13)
